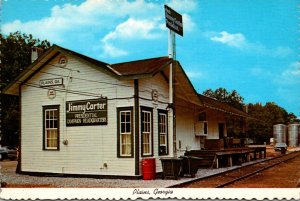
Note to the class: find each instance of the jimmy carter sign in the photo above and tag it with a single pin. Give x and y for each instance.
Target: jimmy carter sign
(173, 20)
(86, 112)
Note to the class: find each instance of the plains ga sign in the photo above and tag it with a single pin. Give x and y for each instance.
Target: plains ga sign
(86, 112)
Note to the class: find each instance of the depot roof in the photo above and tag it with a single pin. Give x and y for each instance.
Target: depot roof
(129, 70)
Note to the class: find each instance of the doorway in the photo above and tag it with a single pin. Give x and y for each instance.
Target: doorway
(221, 130)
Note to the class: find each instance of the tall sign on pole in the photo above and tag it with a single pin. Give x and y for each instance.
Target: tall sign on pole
(174, 23)
(173, 20)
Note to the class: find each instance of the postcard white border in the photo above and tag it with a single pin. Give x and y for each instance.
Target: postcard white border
(128, 193)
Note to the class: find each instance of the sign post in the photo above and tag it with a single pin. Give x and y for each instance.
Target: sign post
(174, 23)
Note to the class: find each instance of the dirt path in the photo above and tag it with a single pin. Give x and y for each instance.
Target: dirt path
(285, 175)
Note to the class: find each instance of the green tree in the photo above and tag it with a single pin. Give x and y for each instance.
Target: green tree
(15, 55)
(221, 94)
(234, 124)
(261, 128)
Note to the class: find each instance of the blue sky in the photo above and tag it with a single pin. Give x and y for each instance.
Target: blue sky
(251, 46)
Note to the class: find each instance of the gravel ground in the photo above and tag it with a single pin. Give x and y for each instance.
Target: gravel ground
(12, 179)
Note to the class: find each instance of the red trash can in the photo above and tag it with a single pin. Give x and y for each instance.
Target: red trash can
(148, 168)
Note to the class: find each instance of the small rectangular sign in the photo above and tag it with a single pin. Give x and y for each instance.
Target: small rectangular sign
(173, 20)
(86, 112)
(51, 82)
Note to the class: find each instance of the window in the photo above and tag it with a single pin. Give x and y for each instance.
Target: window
(51, 127)
(163, 132)
(146, 127)
(125, 134)
(204, 127)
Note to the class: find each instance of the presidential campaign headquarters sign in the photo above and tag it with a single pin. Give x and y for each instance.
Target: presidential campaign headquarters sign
(86, 112)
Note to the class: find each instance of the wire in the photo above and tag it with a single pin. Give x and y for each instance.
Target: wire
(76, 92)
(148, 99)
(83, 79)
(88, 93)
(58, 66)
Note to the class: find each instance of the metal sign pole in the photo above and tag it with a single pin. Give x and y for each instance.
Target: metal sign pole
(172, 55)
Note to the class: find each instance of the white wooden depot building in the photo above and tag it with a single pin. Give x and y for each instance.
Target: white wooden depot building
(85, 117)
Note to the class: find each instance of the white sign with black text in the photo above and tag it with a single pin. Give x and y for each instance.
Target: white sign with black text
(51, 82)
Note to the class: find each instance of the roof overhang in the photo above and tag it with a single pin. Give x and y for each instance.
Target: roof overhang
(183, 86)
(214, 104)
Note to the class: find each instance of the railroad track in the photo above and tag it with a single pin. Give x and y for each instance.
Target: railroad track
(229, 177)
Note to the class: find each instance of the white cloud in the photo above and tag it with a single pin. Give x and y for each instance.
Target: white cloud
(182, 5)
(256, 71)
(188, 24)
(133, 29)
(193, 74)
(282, 51)
(112, 51)
(293, 71)
(237, 40)
(105, 21)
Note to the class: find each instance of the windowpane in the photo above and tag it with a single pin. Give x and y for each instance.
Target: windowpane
(51, 124)
(128, 127)
(162, 139)
(127, 116)
(123, 130)
(122, 114)
(55, 114)
(205, 128)
(55, 123)
(47, 114)
(126, 144)
(51, 139)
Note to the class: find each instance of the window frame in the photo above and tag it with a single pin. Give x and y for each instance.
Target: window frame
(164, 112)
(45, 109)
(119, 143)
(148, 110)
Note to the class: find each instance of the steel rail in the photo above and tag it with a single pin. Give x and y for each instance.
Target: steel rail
(259, 170)
(295, 154)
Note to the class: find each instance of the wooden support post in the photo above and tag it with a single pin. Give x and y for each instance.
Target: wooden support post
(260, 154)
(230, 161)
(248, 157)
